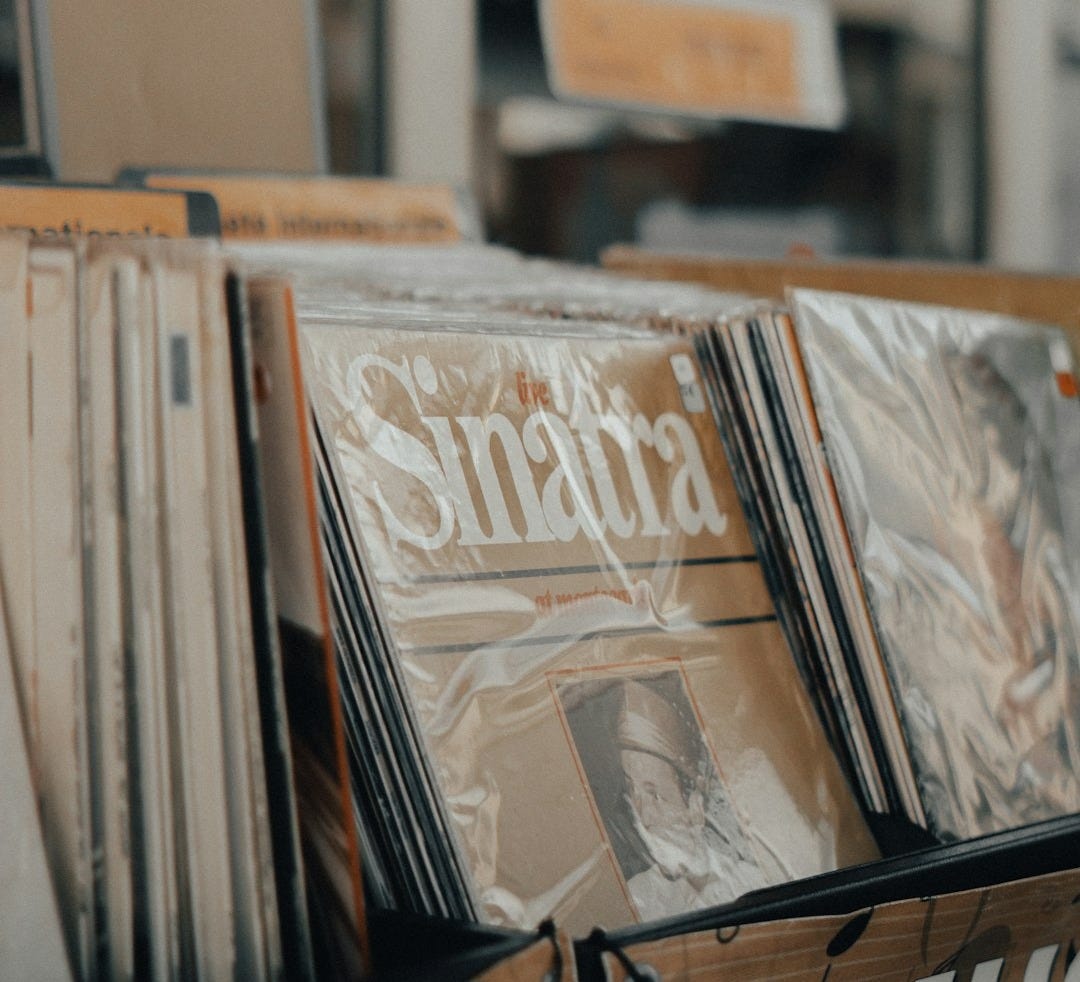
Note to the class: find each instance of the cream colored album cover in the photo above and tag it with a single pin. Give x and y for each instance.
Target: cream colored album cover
(578, 619)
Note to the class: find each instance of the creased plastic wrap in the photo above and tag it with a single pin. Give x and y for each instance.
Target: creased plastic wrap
(554, 593)
(954, 439)
(339, 278)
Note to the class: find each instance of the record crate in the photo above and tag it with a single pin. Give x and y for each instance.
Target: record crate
(1003, 908)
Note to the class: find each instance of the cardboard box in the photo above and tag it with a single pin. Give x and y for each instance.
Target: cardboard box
(191, 83)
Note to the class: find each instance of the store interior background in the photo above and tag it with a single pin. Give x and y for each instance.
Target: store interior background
(962, 140)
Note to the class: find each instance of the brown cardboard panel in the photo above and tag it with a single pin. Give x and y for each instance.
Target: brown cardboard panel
(1045, 298)
(1021, 930)
(549, 959)
(190, 83)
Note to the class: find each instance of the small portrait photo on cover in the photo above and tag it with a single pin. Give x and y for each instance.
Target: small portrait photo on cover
(669, 819)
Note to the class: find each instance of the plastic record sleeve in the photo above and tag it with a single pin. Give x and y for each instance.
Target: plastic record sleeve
(953, 440)
(565, 608)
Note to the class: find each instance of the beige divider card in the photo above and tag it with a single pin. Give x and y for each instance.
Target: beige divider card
(321, 208)
(757, 59)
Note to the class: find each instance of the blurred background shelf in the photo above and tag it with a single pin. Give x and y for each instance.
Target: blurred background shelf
(961, 141)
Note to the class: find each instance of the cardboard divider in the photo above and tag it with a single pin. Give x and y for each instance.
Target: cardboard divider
(1050, 299)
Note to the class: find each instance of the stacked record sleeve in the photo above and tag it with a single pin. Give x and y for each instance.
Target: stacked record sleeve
(904, 473)
(917, 466)
(490, 674)
(136, 625)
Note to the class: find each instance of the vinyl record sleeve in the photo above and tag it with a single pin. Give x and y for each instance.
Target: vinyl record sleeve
(57, 404)
(154, 808)
(16, 525)
(31, 938)
(765, 418)
(416, 824)
(576, 618)
(110, 736)
(258, 937)
(726, 384)
(953, 437)
(383, 792)
(193, 640)
(806, 487)
(295, 561)
(834, 555)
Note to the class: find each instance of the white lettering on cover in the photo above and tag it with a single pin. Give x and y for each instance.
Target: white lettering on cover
(568, 476)
(692, 498)
(402, 449)
(478, 433)
(564, 506)
(589, 427)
